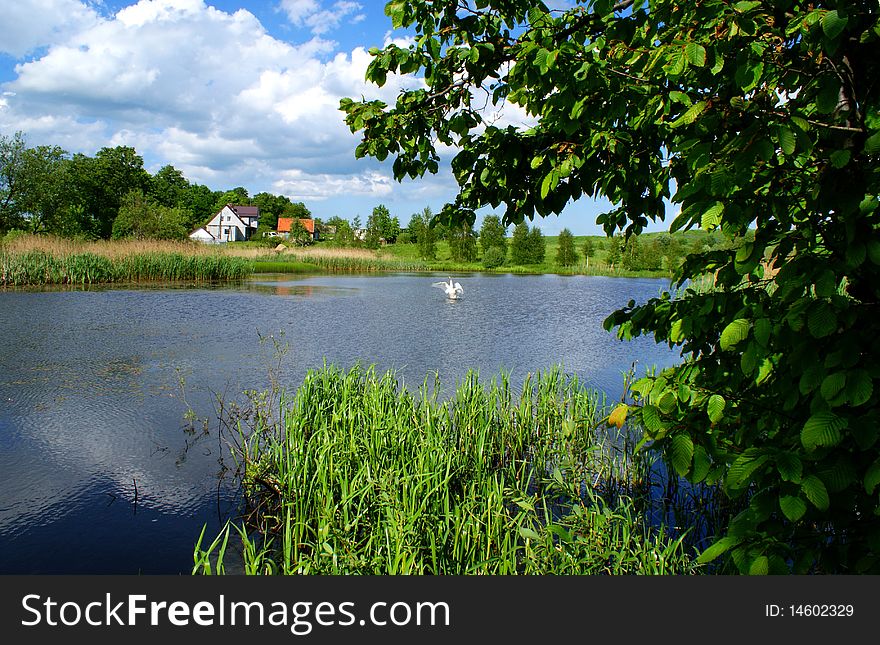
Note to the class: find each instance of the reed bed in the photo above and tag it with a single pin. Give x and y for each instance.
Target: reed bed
(36, 260)
(354, 474)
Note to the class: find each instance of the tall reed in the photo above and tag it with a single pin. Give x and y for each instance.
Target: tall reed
(355, 474)
(38, 267)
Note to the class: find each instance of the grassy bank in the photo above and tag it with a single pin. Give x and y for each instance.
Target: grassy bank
(353, 474)
(52, 261)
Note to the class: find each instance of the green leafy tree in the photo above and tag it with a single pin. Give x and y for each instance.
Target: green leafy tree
(43, 193)
(271, 208)
(537, 246)
(198, 200)
(755, 114)
(238, 196)
(493, 257)
(420, 225)
(141, 217)
(12, 179)
(462, 243)
(299, 235)
(520, 252)
(493, 234)
(565, 252)
(168, 186)
(343, 236)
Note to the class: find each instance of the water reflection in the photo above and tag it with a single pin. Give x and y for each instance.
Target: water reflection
(99, 473)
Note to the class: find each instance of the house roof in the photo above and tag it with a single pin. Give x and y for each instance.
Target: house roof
(245, 211)
(284, 224)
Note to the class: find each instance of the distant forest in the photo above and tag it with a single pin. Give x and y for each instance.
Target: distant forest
(45, 189)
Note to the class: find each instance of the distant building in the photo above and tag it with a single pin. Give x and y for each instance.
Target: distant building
(231, 224)
(285, 224)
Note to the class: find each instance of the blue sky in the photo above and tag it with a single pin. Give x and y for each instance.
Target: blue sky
(231, 92)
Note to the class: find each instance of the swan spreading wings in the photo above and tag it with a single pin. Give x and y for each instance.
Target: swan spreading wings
(452, 289)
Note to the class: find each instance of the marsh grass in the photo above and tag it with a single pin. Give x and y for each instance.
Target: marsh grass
(38, 260)
(354, 474)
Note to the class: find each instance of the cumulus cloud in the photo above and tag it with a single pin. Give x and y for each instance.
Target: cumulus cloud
(31, 24)
(208, 91)
(312, 14)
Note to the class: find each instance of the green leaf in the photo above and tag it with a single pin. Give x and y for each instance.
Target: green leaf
(786, 139)
(763, 327)
(832, 385)
(815, 491)
(734, 333)
(719, 548)
(743, 467)
(690, 115)
(821, 320)
(682, 453)
(793, 507)
(872, 144)
(760, 566)
(715, 408)
(789, 466)
(651, 419)
(839, 158)
(872, 477)
(833, 23)
(859, 387)
(746, 5)
(702, 465)
(764, 371)
(822, 429)
(528, 533)
(551, 180)
(696, 54)
(712, 217)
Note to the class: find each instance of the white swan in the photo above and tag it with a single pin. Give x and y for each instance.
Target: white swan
(452, 289)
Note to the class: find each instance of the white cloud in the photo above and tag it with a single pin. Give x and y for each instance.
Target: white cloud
(320, 187)
(210, 92)
(31, 24)
(311, 14)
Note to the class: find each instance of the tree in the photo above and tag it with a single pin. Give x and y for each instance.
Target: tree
(299, 235)
(198, 200)
(238, 196)
(381, 227)
(519, 245)
(537, 246)
(565, 253)
(420, 225)
(271, 208)
(12, 162)
(169, 187)
(493, 234)
(756, 114)
(142, 217)
(462, 243)
(589, 249)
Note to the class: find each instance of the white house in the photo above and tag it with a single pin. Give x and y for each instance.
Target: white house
(231, 224)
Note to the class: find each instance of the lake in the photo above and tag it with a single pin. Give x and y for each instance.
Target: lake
(103, 474)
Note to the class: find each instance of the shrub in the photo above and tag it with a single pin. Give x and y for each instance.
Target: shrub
(493, 257)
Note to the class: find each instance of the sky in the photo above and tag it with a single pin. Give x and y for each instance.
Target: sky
(230, 92)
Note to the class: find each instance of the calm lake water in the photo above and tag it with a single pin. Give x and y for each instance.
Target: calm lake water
(98, 472)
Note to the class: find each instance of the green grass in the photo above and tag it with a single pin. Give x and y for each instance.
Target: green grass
(404, 257)
(354, 474)
(40, 268)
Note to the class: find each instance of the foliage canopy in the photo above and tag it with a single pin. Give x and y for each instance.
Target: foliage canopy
(745, 115)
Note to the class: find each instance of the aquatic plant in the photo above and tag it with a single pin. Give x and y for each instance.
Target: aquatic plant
(354, 473)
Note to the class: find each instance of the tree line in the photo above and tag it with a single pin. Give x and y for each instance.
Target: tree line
(45, 189)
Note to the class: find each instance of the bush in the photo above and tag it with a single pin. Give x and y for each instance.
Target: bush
(493, 257)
